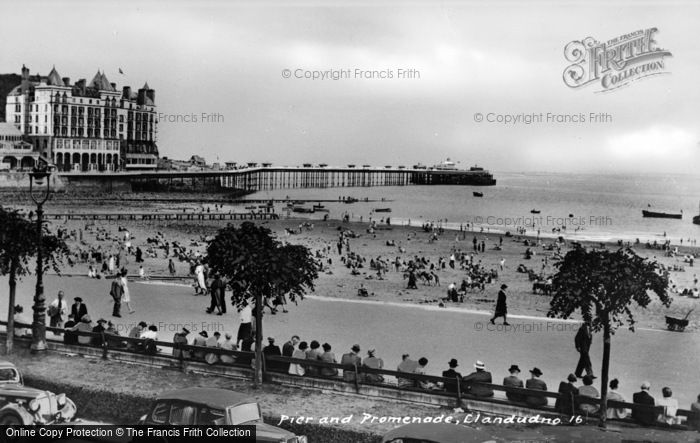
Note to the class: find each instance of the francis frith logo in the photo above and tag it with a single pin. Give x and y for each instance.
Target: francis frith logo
(615, 63)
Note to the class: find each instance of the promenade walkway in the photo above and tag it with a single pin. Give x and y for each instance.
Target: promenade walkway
(435, 333)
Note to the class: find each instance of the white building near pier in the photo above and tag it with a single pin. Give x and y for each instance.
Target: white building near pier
(85, 126)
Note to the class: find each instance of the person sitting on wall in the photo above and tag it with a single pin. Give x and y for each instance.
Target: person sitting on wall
(453, 375)
(535, 383)
(588, 390)
(513, 381)
(480, 375)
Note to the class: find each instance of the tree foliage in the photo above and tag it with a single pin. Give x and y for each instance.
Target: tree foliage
(255, 262)
(18, 243)
(604, 285)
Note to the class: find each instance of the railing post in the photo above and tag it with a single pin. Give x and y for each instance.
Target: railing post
(181, 358)
(105, 346)
(357, 378)
(263, 362)
(459, 392)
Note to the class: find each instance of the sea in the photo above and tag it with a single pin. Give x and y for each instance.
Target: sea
(587, 207)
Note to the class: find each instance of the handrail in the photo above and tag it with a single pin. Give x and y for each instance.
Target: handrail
(107, 337)
(357, 369)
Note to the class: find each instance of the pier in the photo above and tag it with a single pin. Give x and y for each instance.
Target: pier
(163, 216)
(270, 178)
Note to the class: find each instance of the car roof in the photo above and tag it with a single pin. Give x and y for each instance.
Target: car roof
(6, 364)
(212, 397)
(438, 432)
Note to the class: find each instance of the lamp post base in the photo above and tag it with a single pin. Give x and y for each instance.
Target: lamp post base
(39, 346)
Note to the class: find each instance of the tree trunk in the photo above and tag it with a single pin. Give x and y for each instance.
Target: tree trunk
(604, 375)
(11, 308)
(258, 339)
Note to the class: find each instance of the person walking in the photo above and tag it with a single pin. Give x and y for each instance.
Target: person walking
(116, 291)
(501, 306)
(171, 267)
(217, 297)
(583, 342)
(126, 296)
(246, 327)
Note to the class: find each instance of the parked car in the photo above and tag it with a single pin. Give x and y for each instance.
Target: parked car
(212, 406)
(436, 433)
(22, 405)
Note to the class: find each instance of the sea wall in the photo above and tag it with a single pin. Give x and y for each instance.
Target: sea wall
(20, 180)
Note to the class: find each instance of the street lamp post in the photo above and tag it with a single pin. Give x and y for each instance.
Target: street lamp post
(38, 176)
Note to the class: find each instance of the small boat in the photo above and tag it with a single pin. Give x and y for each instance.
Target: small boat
(350, 200)
(535, 211)
(382, 210)
(320, 208)
(654, 214)
(303, 210)
(478, 194)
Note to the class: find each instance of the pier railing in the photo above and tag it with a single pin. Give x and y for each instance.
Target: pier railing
(163, 216)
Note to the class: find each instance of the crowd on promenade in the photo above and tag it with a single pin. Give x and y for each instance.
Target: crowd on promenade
(476, 383)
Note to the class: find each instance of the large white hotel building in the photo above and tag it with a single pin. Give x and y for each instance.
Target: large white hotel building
(86, 126)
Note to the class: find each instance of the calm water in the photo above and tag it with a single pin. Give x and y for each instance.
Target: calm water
(604, 207)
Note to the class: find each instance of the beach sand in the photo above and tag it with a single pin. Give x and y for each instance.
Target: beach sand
(338, 282)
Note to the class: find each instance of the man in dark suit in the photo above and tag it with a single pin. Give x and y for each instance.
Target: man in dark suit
(644, 398)
(565, 403)
(583, 342)
(453, 375)
(536, 384)
(513, 381)
(480, 375)
(117, 292)
(217, 293)
(272, 350)
(78, 309)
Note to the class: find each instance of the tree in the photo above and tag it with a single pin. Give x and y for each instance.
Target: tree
(18, 244)
(604, 285)
(257, 265)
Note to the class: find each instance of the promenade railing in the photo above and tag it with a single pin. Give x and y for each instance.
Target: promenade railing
(357, 376)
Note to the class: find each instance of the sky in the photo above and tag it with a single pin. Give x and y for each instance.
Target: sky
(228, 60)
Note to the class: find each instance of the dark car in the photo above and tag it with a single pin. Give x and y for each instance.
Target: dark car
(22, 405)
(211, 406)
(436, 433)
